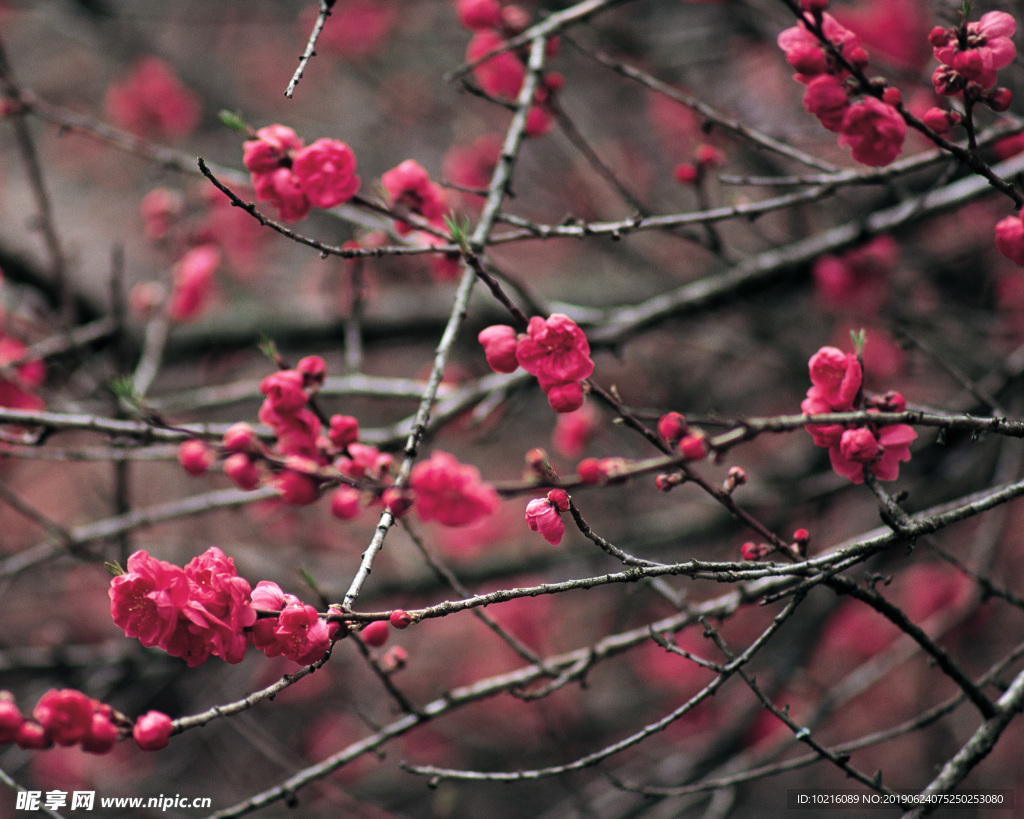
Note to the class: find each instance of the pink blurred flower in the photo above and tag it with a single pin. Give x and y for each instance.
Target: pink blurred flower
(152, 102)
(195, 456)
(478, 14)
(326, 172)
(193, 282)
(573, 431)
(272, 149)
(500, 76)
(873, 131)
(409, 188)
(856, 282)
(357, 29)
(450, 492)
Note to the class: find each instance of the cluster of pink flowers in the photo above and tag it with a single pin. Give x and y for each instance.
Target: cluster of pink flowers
(544, 515)
(152, 102)
(306, 458)
(970, 56)
(555, 350)
(68, 717)
(872, 128)
(193, 612)
(295, 177)
(205, 609)
(503, 74)
(836, 386)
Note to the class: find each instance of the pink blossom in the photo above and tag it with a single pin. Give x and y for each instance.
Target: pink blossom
(573, 430)
(326, 172)
(285, 391)
(565, 397)
(10, 718)
(267, 596)
(297, 488)
(153, 730)
(410, 189)
(159, 208)
(895, 441)
(282, 189)
(272, 149)
(824, 435)
(66, 715)
(193, 281)
(544, 517)
(805, 54)
(873, 131)
(989, 47)
(500, 76)
(859, 445)
(555, 350)
(836, 377)
(450, 492)
(827, 100)
(145, 601)
(344, 430)
(375, 633)
(1010, 238)
(152, 102)
(358, 28)
(224, 599)
(299, 634)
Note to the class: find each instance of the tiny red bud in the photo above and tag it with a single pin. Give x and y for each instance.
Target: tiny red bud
(240, 437)
(672, 426)
(400, 619)
(893, 96)
(686, 173)
(802, 536)
(938, 36)
(999, 99)
(195, 457)
(709, 156)
(692, 447)
(314, 371)
(589, 471)
(398, 501)
(559, 499)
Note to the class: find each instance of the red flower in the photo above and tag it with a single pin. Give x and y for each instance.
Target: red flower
(827, 100)
(555, 350)
(450, 492)
(989, 47)
(271, 149)
(500, 76)
(409, 187)
(873, 131)
(282, 189)
(326, 172)
(478, 14)
(145, 601)
(193, 281)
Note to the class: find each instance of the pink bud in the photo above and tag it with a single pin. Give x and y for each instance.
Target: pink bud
(542, 516)
(152, 731)
(559, 499)
(801, 537)
(296, 488)
(240, 437)
(754, 551)
(242, 471)
(398, 500)
(892, 96)
(101, 736)
(344, 430)
(375, 634)
(999, 99)
(567, 397)
(499, 343)
(33, 736)
(345, 503)
(939, 36)
(313, 369)
(686, 173)
(589, 471)
(672, 427)
(692, 447)
(400, 619)
(195, 457)
(708, 156)
(668, 481)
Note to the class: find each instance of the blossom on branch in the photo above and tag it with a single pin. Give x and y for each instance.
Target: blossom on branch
(450, 492)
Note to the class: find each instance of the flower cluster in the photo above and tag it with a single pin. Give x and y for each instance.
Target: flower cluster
(193, 612)
(295, 177)
(544, 515)
(62, 717)
(971, 55)
(836, 386)
(872, 128)
(306, 458)
(555, 350)
(205, 609)
(503, 74)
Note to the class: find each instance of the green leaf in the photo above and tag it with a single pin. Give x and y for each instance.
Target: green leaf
(114, 568)
(234, 121)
